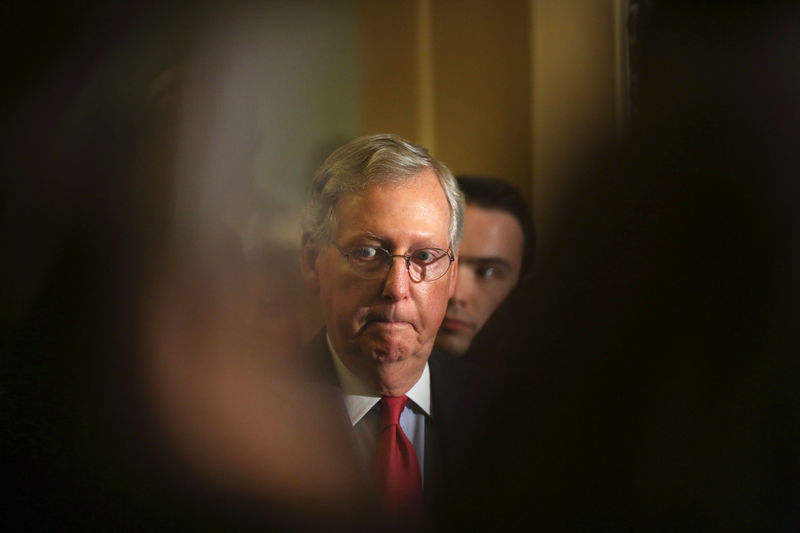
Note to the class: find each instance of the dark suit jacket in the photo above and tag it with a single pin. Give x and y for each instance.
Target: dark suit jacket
(443, 429)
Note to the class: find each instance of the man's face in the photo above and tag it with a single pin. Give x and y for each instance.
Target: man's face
(389, 322)
(490, 257)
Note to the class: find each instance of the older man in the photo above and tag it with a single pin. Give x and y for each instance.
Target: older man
(381, 230)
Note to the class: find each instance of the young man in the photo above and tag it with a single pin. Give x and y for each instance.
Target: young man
(496, 250)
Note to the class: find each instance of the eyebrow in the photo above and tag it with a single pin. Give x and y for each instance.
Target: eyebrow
(387, 242)
(484, 261)
(375, 236)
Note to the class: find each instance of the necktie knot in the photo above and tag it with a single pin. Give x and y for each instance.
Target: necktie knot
(391, 407)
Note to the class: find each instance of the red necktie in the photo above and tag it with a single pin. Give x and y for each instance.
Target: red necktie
(395, 468)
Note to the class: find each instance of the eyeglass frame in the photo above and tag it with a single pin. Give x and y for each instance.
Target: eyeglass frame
(407, 256)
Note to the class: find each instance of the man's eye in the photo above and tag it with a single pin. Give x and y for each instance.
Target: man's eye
(425, 256)
(486, 272)
(365, 253)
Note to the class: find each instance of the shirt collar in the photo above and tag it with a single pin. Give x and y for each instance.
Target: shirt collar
(360, 397)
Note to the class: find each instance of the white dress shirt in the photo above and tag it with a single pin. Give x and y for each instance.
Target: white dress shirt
(361, 402)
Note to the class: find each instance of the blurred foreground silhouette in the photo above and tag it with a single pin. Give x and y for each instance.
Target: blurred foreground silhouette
(650, 373)
(136, 395)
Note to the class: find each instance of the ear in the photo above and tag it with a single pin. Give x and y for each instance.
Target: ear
(453, 277)
(309, 252)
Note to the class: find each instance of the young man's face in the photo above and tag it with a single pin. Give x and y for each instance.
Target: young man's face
(390, 321)
(490, 258)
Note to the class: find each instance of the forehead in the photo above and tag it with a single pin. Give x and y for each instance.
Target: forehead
(412, 212)
(491, 233)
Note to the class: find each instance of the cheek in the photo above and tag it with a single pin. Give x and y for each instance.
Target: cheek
(335, 296)
(341, 296)
(494, 294)
(346, 300)
(433, 304)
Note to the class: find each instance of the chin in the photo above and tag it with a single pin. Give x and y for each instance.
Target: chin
(389, 352)
(391, 347)
(452, 344)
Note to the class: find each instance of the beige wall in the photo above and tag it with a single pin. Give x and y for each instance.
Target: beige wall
(391, 79)
(512, 88)
(574, 89)
(482, 87)
(452, 75)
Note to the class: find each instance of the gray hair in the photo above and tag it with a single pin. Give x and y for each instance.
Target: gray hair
(367, 161)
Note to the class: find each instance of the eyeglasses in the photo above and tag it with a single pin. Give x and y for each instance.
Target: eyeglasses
(424, 264)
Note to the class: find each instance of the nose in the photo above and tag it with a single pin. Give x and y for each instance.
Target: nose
(464, 287)
(396, 284)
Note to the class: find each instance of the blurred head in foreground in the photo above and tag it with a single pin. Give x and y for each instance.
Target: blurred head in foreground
(137, 399)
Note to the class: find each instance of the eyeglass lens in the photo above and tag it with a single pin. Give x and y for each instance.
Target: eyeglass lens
(423, 265)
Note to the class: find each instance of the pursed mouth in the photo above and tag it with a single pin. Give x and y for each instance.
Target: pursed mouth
(386, 321)
(389, 322)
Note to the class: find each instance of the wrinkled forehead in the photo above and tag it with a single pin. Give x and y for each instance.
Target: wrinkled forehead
(412, 209)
